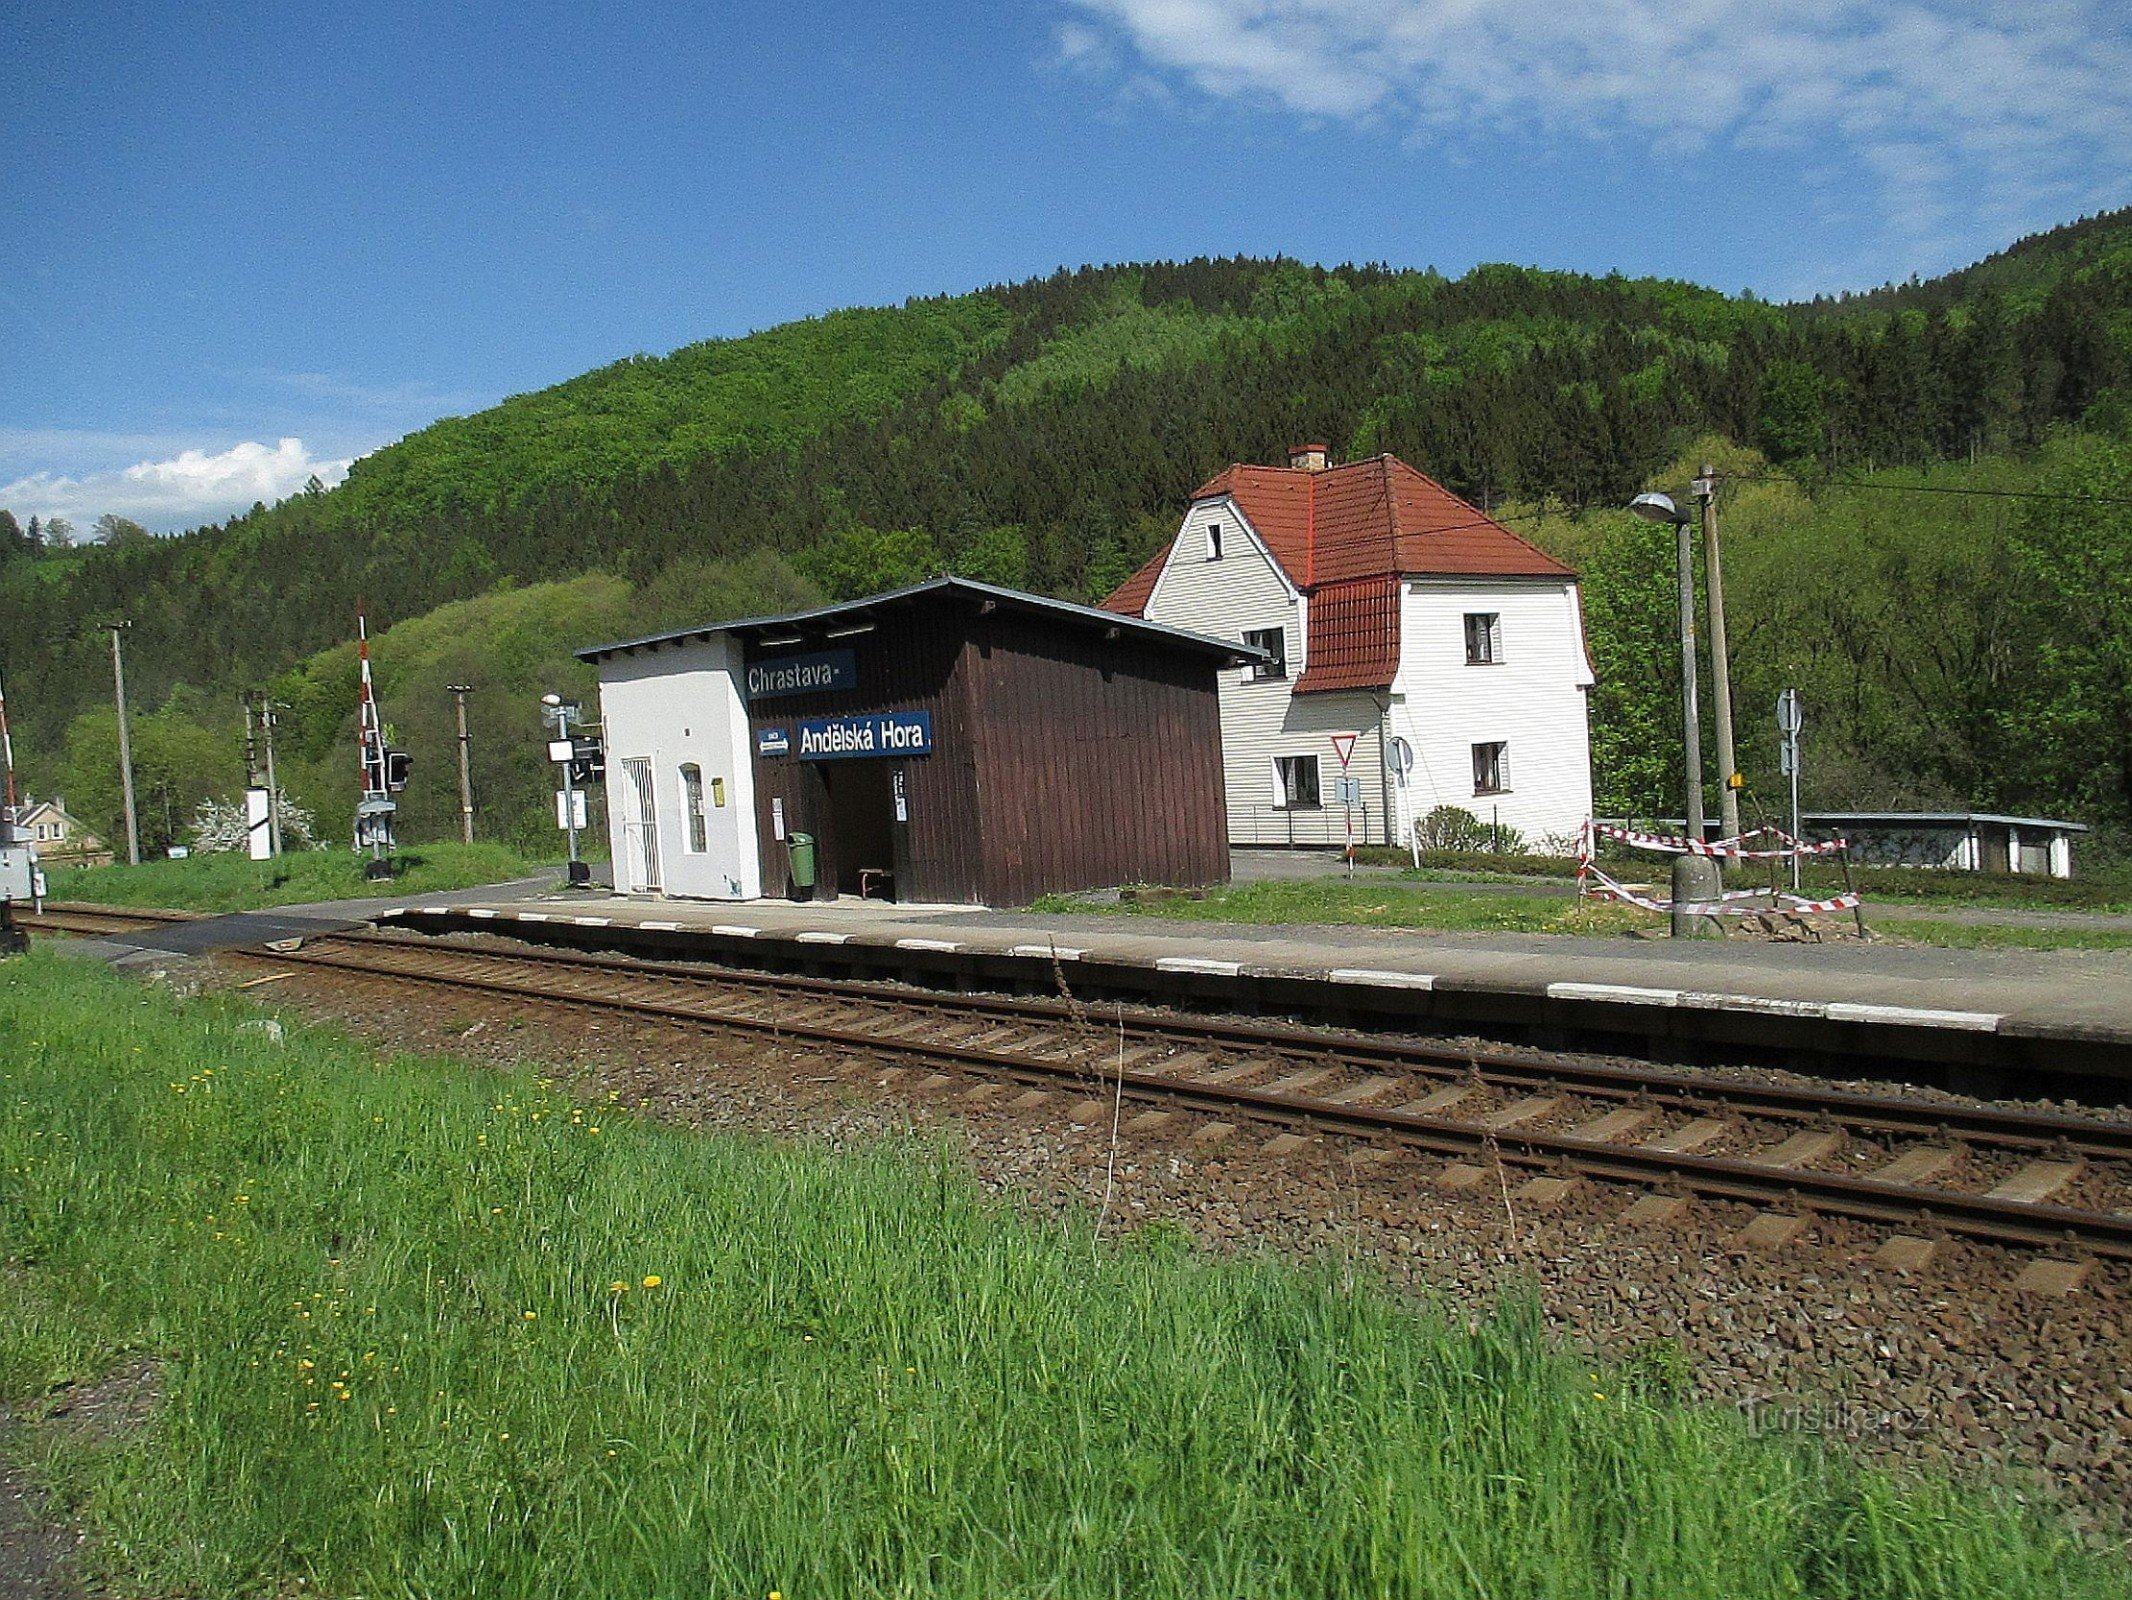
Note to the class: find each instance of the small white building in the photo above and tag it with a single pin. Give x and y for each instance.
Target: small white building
(1955, 841)
(1420, 650)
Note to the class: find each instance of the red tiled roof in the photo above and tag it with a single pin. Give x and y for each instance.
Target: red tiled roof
(1345, 536)
(1129, 599)
(1372, 518)
(1354, 636)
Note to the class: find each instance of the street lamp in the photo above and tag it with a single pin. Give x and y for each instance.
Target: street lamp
(1694, 877)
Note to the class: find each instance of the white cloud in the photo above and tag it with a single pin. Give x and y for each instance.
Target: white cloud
(2003, 114)
(181, 491)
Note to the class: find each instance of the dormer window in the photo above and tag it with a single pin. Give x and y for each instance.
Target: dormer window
(1213, 541)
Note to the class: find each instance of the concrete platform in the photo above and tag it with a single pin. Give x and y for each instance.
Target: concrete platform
(2046, 1015)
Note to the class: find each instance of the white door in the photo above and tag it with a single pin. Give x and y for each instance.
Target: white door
(641, 825)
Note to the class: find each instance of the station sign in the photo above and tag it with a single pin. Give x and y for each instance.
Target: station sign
(877, 733)
(816, 673)
(773, 742)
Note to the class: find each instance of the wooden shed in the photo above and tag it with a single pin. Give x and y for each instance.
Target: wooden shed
(950, 742)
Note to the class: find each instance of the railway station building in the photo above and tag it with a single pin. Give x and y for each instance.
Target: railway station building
(952, 742)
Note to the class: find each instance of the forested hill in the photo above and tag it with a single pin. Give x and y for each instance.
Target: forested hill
(1046, 433)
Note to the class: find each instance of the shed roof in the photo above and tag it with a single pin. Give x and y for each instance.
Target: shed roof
(1934, 819)
(1062, 611)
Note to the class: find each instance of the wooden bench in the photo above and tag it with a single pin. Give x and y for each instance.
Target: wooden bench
(871, 878)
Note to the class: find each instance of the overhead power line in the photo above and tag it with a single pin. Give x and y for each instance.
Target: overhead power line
(1925, 488)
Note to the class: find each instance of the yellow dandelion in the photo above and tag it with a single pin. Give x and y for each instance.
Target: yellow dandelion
(618, 1287)
(652, 1280)
(530, 1315)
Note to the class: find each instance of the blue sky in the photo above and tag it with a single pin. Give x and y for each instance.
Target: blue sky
(246, 243)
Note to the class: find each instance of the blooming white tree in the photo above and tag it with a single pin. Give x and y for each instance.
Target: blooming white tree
(219, 826)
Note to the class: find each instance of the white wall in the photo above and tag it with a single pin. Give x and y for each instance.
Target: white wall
(1533, 700)
(676, 706)
(1265, 718)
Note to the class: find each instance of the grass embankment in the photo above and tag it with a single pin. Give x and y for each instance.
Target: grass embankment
(1373, 902)
(1427, 907)
(237, 883)
(429, 1330)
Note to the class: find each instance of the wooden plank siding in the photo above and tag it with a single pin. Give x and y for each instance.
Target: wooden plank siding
(1061, 759)
(1099, 762)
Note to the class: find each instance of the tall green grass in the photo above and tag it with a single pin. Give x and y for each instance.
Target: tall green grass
(237, 883)
(426, 1330)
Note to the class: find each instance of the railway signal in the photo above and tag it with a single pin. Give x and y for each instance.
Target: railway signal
(375, 811)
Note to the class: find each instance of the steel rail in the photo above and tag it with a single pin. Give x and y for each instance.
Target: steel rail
(2019, 1129)
(1869, 1199)
(74, 916)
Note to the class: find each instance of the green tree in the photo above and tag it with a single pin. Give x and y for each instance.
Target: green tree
(997, 555)
(858, 560)
(2073, 560)
(116, 532)
(1793, 425)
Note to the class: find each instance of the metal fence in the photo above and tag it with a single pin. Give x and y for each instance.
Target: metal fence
(1321, 826)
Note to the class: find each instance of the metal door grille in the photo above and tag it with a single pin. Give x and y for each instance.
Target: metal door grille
(643, 828)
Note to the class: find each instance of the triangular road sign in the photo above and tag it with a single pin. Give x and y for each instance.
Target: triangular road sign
(1344, 747)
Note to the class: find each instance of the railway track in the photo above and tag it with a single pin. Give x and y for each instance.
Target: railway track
(1927, 1169)
(81, 917)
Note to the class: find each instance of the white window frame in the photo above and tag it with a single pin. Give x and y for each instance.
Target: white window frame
(1488, 636)
(1284, 787)
(1497, 763)
(1265, 671)
(1214, 540)
(696, 825)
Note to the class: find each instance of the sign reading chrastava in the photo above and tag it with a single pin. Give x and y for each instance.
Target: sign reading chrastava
(809, 674)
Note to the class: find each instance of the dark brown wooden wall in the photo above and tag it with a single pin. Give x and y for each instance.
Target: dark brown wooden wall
(1061, 759)
(1099, 761)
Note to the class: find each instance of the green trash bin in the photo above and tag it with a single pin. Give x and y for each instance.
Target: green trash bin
(801, 848)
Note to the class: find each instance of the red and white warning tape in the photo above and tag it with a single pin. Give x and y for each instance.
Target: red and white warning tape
(1732, 903)
(1731, 849)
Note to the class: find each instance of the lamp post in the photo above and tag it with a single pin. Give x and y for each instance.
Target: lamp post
(1694, 877)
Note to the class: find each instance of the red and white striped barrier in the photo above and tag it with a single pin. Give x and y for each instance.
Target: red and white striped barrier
(1729, 903)
(1733, 849)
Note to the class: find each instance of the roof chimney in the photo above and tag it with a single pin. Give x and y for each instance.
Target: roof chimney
(1308, 457)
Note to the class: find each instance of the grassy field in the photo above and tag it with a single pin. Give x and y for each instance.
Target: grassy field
(236, 883)
(427, 1330)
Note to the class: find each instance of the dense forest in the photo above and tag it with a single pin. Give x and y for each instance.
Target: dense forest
(1928, 492)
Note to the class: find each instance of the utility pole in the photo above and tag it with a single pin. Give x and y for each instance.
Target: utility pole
(459, 692)
(266, 729)
(1728, 794)
(7, 763)
(125, 742)
(1691, 705)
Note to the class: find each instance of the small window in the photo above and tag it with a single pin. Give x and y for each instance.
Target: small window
(1213, 541)
(1295, 783)
(1274, 641)
(1484, 638)
(699, 835)
(1491, 768)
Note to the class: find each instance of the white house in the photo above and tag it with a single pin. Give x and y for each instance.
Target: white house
(1408, 630)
